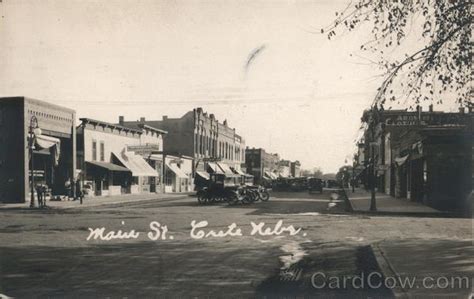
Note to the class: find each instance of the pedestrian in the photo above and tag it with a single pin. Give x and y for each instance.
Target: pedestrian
(79, 193)
(44, 189)
(39, 194)
(67, 187)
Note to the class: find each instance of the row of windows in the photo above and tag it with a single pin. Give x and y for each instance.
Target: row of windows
(205, 145)
(94, 151)
(50, 116)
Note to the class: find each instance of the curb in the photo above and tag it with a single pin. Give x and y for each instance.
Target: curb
(388, 270)
(117, 203)
(97, 204)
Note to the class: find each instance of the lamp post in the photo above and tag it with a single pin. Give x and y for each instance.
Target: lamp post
(33, 131)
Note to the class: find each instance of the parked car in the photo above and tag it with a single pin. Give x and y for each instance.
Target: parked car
(332, 184)
(299, 184)
(315, 184)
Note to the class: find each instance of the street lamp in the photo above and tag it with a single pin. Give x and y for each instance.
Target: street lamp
(34, 131)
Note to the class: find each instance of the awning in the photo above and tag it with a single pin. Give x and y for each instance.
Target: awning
(400, 160)
(48, 142)
(238, 171)
(226, 169)
(204, 175)
(273, 176)
(177, 171)
(136, 164)
(108, 166)
(156, 157)
(268, 175)
(214, 168)
(44, 141)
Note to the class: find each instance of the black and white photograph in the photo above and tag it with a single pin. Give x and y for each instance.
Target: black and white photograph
(236, 149)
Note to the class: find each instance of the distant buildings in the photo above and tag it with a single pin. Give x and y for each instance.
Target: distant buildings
(201, 136)
(35, 135)
(266, 166)
(284, 168)
(262, 165)
(295, 169)
(423, 156)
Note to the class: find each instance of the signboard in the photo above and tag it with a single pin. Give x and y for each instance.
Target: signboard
(148, 148)
(407, 119)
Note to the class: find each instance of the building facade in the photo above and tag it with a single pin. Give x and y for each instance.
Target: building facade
(284, 168)
(295, 168)
(262, 165)
(115, 159)
(51, 131)
(423, 156)
(178, 174)
(201, 136)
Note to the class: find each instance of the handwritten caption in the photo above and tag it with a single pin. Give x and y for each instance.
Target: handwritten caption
(199, 230)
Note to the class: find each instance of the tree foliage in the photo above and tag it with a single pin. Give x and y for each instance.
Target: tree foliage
(441, 65)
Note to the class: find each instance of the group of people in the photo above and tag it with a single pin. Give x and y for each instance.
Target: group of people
(42, 190)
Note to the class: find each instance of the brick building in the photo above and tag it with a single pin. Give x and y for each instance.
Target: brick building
(54, 147)
(295, 168)
(423, 156)
(262, 165)
(201, 136)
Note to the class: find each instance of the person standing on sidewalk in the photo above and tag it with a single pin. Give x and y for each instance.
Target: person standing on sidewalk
(79, 193)
(39, 194)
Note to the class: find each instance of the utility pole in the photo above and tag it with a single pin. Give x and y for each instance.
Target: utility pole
(373, 171)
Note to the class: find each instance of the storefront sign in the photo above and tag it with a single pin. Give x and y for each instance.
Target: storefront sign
(424, 119)
(144, 149)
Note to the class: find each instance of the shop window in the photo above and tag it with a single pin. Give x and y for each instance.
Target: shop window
(94, 150)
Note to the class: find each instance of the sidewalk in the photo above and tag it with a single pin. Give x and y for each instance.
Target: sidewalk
(360, 201)
(426, 268)
(96, 201)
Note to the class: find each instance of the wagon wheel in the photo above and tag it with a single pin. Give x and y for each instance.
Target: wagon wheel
(232, 199)
(264, 195)
(201, 197)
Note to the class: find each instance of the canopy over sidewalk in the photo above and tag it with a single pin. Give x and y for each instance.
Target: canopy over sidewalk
(137, 165)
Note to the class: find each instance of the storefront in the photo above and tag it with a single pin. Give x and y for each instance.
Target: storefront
(112, 161)
(141, 171)
(178, 174)
(107, 178)
(41, 148)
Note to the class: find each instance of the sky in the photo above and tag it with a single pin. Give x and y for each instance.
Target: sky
(301, 95)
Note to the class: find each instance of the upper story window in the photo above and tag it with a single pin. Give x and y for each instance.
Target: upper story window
(94, 150)
(102, 151)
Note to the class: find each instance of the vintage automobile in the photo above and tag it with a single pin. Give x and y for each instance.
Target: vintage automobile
(332, 184)
(219, 188)
(282, 184)
(299, 184)
(315, 184)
